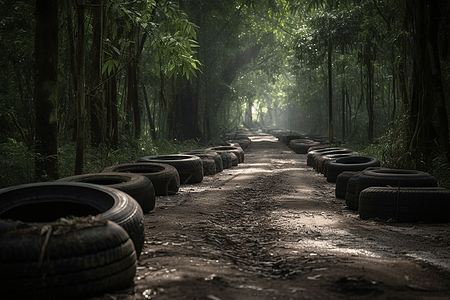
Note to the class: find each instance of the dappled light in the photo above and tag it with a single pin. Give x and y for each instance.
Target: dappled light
(245, 144)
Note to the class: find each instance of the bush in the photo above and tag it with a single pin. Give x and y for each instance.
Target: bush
(17, 164)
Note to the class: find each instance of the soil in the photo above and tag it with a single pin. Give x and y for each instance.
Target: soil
(272, 228)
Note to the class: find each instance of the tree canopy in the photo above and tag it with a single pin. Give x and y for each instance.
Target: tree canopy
(366, 72)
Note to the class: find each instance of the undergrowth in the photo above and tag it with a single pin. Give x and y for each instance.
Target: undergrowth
(17, 163)
(393, 152)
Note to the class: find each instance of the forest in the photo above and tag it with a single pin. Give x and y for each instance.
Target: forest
(89, 83)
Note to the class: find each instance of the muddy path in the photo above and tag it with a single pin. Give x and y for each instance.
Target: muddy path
(271, 228)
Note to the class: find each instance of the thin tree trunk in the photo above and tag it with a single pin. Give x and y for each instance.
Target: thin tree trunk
(96, 101)
(46, 89)
(330, 94)
(81, 96)
(149, 114)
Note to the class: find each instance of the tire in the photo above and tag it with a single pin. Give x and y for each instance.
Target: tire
(233, 158)
(244, 142)
(137, 186)
(354, 163)
(49, 201)
(395, 178)
(226, 159)
(164, 177)
(311, 154)
(240, 150)
(350, 197)
(190, 167)
(320, 157)
(405, 204)
(209, 165)
(318, 147)
(89, 258)
(302, 147)
(334, 157)
(214, 155)
(289, 138)
(341, 183)
(351, 201)
(232, 149)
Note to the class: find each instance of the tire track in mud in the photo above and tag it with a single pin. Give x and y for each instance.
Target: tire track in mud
(243, 231)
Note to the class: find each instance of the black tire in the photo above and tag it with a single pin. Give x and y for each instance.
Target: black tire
(350, 197)
(351, 201)
(89, 258)
(49, 201)
(405, 204)
(292, 142)
(214, 155)
(311, 154)
(341, 183)
(353, 163)
(232, 149)
(226, 159)
(320, 157)
(209, 165)
(137, 186)
(164, 177)
(395, 178)
(333, 157)
(318, 147)
(240, 150)
(190, 167)
(244, 142)
(234, 159)
(289, 138)
(302, 147)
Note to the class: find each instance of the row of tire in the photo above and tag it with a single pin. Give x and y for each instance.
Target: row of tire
(80, 255)
(375, 192)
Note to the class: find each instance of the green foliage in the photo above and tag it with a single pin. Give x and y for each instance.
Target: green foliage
(16, 165)
(392, 147)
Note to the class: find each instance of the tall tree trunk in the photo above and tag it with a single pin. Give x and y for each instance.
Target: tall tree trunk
(96, 101)
(46, 89)
(149, 114)
(81, 95)
(189, 104)
(432, 30)
(369, 56)
(427, 99)
(330, 93)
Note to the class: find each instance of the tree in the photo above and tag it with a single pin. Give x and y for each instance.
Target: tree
(428, 113)
(46, 89)
(79, 71)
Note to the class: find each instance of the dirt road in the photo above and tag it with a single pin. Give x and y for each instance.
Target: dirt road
(271, 228)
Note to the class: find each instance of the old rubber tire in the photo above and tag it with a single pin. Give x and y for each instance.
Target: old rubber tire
(190, 167)
(320, 157)
(80, 259)
(232, 149)
(137, 186)
(311, 154)
(341, 183)
(49, 201)
(164, 177)
(333, 157)
(214, 155)
(405, 204)
(302, 147)
(354, 163)
(395, 178)
(323, 160)
(209, 164)
(226, 159)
